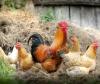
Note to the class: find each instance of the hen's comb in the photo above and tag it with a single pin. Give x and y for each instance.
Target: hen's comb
(63, 24)
(95, 42)
(18, 44)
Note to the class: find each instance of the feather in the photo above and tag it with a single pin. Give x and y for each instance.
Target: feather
(36, 41)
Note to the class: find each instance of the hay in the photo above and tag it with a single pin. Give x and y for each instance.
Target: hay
(16, 26)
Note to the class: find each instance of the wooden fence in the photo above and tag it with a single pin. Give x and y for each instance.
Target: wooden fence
(86, 13)
(81, 15)
(67, 2)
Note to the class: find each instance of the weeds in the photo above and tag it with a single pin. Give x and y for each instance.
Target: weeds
(48, 16)
(7, 74)
(6, 71)
(14, 4)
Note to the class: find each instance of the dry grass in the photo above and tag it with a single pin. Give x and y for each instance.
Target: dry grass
(16, 26)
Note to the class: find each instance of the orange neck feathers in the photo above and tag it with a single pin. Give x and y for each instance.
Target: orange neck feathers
(64, 27)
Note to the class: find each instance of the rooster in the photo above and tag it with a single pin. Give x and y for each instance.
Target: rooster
(24, 58)
(51, 64)
(42, 52)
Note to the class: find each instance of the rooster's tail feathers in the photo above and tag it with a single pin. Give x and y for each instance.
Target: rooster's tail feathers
(36, 38)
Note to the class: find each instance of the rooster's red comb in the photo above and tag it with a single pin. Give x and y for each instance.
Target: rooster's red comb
(63, 24)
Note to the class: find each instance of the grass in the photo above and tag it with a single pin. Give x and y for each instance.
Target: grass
(7, 74)
(5, 70)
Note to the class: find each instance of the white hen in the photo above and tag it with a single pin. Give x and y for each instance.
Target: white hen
(13, 56)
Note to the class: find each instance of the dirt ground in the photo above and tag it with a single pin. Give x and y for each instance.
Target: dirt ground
(19, 25)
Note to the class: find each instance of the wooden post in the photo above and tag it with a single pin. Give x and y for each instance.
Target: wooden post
(29, 6)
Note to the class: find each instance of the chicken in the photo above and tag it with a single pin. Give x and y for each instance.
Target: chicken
(24, 58)
(51, 64)
(77, 71)
(60, 37)
(75, 47)
(71, 58)
(82, 63)
(2, 54)
(6, 59)
(13, 56)
(89, 58)
(42, 52)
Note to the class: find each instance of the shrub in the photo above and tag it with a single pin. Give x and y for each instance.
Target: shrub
(15, 4)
